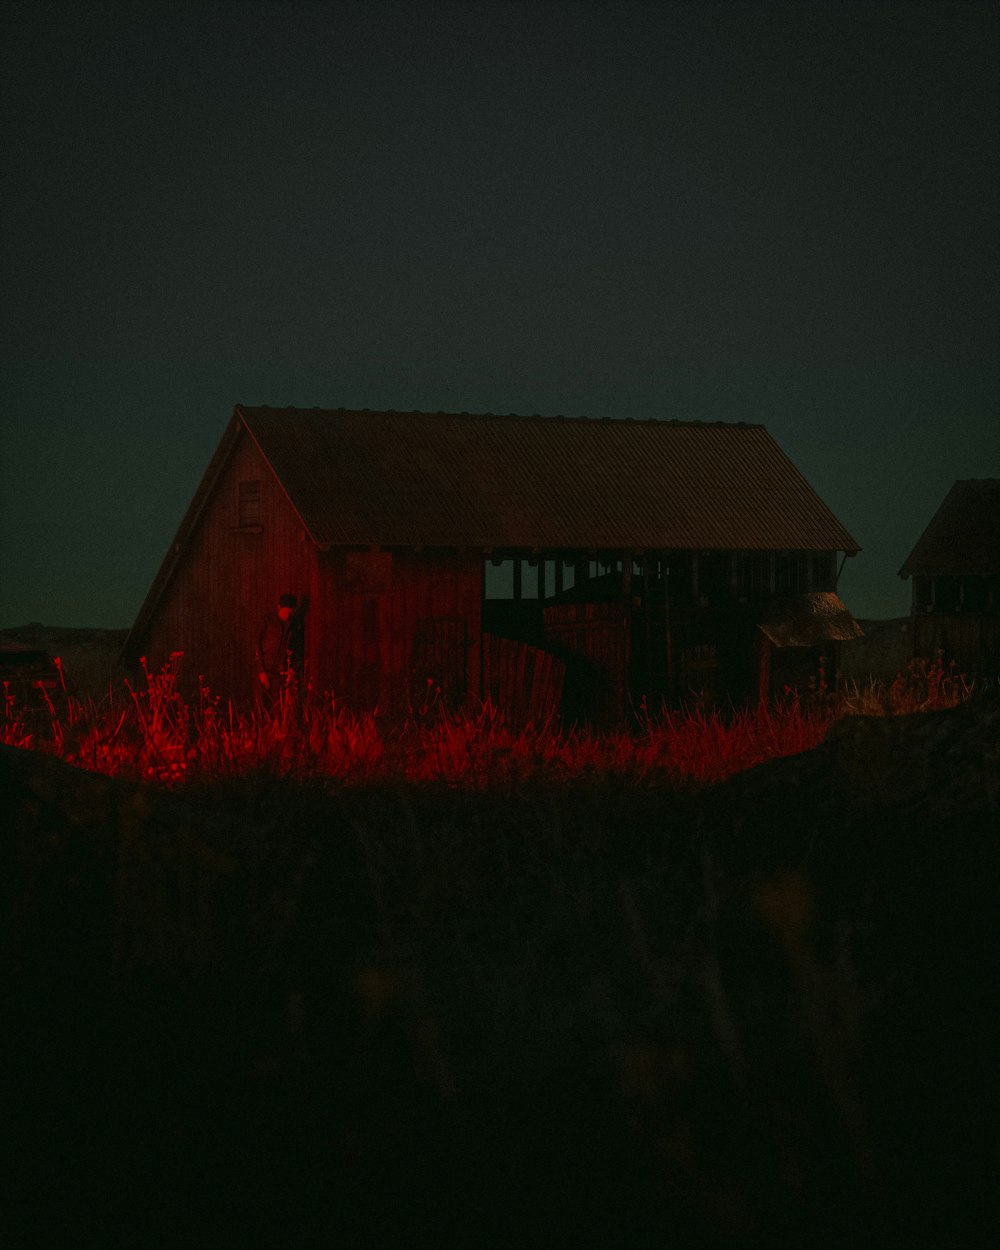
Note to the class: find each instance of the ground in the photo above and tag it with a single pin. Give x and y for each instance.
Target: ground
(265, 1012)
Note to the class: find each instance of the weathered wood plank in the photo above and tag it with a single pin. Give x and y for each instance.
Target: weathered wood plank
(522, 681)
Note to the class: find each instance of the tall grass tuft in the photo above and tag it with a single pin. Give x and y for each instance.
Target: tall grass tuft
(924, 686)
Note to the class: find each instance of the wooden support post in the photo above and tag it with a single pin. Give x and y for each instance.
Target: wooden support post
(627, 615)
(646, 638)
(695, 588)
(625, 590)
(763, 669)
(559, 575)
(668, 633)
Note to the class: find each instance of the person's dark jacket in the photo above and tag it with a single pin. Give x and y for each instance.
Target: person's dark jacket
(279, 644)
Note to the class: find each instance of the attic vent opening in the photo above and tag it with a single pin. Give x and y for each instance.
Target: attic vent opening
(249, 504)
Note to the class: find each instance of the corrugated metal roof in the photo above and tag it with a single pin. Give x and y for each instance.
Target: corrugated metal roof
(809, 621)
(455, 479)
(963, 537)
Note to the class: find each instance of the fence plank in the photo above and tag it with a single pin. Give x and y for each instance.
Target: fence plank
(523, 681)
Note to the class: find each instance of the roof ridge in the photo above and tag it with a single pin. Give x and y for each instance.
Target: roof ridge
(580, 419)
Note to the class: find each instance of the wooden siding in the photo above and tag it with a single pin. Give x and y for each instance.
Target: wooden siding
(438, 669)
(390, 629)
(228, 578)
(972, 641)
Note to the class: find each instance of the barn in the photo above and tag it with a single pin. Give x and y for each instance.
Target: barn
(955, 567)
(576, 565)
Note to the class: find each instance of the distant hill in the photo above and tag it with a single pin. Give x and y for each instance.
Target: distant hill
(89, 656)
(38, 635)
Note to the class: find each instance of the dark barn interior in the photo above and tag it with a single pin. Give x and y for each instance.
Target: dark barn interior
(666, 627)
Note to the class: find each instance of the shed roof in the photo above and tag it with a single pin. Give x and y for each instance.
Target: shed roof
(456, 479)
(963, 536)
(809, 620)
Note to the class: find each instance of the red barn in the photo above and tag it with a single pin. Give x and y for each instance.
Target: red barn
(530, 559)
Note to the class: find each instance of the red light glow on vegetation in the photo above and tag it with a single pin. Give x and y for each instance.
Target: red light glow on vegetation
(152, 733)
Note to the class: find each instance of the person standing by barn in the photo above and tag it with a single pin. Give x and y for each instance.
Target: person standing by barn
(279, 650)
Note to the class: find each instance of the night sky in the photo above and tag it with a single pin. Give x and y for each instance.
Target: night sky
(778, 213)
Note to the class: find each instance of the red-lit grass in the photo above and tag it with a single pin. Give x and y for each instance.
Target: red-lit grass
(152, 733)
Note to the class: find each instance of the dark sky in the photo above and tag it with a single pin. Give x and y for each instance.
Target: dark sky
(783, 213)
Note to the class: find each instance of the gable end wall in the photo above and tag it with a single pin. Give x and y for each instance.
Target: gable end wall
(228, 578)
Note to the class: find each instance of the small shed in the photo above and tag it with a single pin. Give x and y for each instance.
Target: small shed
(955, 567)
(569, 565)
(799, 640)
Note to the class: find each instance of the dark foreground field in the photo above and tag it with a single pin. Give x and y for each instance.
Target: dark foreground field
(274, 1013)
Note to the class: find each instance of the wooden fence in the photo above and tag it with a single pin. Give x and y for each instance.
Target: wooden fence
(598, 633)
(525, 682)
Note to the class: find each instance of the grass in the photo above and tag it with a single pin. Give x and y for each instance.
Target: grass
(151, 732)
